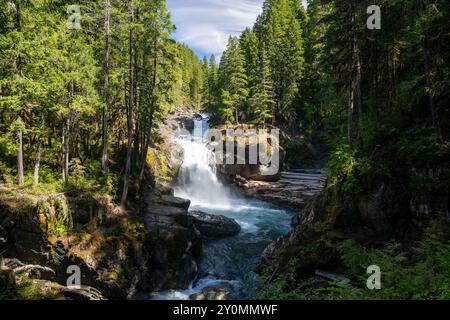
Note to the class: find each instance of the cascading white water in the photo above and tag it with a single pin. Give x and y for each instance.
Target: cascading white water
(227, 262)
(197, 178)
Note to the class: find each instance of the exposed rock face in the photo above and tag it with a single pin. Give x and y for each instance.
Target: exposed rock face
(174, 244)
(82, 293)
(213, 293)
(176, 202)
(37, 272)
(152, 248)
(41, 280)
(21, 230)
(117, 253)
(297, 190)
(294, 190)
(260, 171)
(381, 215)
(213, 226)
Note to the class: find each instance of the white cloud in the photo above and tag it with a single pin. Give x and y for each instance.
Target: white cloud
(205, 25)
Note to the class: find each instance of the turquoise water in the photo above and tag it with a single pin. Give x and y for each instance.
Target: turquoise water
(229, 261)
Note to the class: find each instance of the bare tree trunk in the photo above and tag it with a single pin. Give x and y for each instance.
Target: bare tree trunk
(18, 15)
(20, 175)
(138, 125)
(429, 83)
(65, 137)
(66, 151)
(274, 114)
(123, 201)
(37, 163)
(350, 117)
(63, 151)
(105, 157)
(20, 178)
(358, 86)
(355, 86)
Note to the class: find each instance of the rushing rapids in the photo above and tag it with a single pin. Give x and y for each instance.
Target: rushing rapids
(229, 262)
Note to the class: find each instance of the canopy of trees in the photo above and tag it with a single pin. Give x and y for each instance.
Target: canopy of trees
(71, 95)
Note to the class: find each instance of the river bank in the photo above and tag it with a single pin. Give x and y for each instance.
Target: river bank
(158, 249)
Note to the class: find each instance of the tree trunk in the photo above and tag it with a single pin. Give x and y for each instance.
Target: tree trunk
(20, 178)
(358, 93)
(106, 90)
(20, 175)
(350, 117)
(152, 111)
(429, 83)
(37, 163)
(65, 137)
(275, 107)
(19, 28)
(66, 151)
(139, 75)
(18, 16)
(63, 151)
(126, 177)
(355, 86)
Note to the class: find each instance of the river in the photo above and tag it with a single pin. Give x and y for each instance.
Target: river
(230, 261)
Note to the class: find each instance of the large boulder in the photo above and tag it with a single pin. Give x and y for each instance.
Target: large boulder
(214, 226)
(241, 166)
(167, 215)
(82, 293)
(174, 243)
(176, 202)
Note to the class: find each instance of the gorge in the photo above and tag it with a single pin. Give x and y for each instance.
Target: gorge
(93, 176)
(229, 262)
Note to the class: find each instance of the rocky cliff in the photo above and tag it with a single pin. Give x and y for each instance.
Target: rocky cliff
(150, 247)
(118, 253)
(381, 215)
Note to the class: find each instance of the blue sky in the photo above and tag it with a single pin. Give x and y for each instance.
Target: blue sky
(205, 25)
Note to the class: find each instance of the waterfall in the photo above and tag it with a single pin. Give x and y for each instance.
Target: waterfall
(226, 262)
(197, 178)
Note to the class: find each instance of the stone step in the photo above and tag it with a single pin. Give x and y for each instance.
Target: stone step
(303, 173)
(307, 178)
(290, 174)
(310, 171)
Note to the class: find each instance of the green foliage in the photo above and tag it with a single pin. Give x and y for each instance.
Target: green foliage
(420, 272)
(299, 154)
(25, 289)
(344, 170)
(283, 288)
(57, 213)
(56, 87)
(233, 80)
(259, 72)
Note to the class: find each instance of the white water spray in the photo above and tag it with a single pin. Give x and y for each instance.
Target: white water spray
(197, 179)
